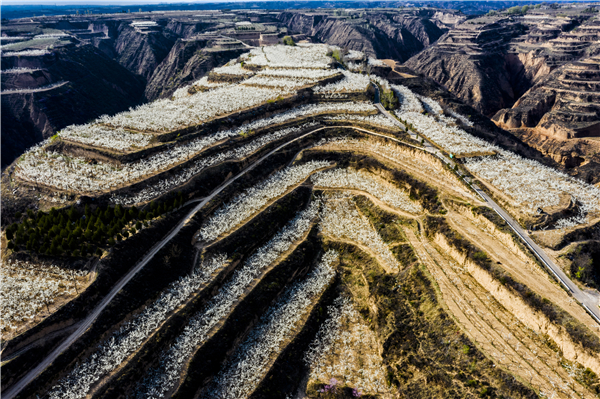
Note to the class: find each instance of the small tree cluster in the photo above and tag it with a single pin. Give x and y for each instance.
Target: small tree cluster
(288, 41)
(388, 99)
(75, 232)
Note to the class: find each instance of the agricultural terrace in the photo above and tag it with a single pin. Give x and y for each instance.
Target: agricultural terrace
(29, 292)
(312, 250)
(63, 162)
(527, 185)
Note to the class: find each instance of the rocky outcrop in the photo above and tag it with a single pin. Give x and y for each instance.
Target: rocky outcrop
(395, 36)
(69, 86)
(187, 61)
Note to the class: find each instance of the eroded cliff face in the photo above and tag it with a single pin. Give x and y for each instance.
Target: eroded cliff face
(561, 110)
(70, 86)
(187, 61)
(142, 52)
(472, 62)
(378, 35)
(580, 157)
(481, 82)
(558, 114)
(492, 62)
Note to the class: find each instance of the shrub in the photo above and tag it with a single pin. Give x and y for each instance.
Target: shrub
(288, 41)
(480, 256)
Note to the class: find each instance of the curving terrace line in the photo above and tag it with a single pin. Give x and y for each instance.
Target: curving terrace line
(586, 302)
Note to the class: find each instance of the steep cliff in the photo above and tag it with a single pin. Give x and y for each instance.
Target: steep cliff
(141, 52)
(490, 62)
(471, 61)
(187, 61)
(69, 86)
(377, 34)
(185, 29)
(482, 82)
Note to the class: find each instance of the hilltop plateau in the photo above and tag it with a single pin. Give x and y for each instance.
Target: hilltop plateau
(302, 220)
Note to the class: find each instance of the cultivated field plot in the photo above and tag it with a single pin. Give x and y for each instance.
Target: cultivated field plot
(30, 292)
(310, 249)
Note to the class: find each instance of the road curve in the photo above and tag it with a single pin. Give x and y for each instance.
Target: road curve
(588, 303)
(87, 322)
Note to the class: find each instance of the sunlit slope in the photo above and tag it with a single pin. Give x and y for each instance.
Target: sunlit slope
(314, 247)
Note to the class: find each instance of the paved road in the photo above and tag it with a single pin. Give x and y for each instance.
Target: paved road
(586, 301)
(87, 322)
(590, 304)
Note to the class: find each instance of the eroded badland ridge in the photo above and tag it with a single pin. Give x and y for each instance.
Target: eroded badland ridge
(534, 73)
(301, 219)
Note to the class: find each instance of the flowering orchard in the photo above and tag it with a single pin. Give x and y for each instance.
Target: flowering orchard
(430, 105)
(530, 184)
(341, 220)
(240, 377)
(420, 160)
(162, 379)
(451, 138)
(19, 70)
(167, 115)
(202, 85)
(409, 102)
(345, 349)
(311, 74)
(165, 185)
(34, 89)
(232, 69)
(288, 84)
(28, 289)
(377, 120)
(312, 56)
(365, 181)
(129, 338)
(101, 136)
(73, 173)
(384, 83)
(252, 200)
(351, 83)
(25, 53)
(375, 62)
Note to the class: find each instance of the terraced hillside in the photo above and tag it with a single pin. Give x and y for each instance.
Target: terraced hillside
(273, 231)
(533, 72)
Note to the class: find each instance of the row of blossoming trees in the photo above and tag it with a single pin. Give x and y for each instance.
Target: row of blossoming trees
(336, 214)
(249, 364)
